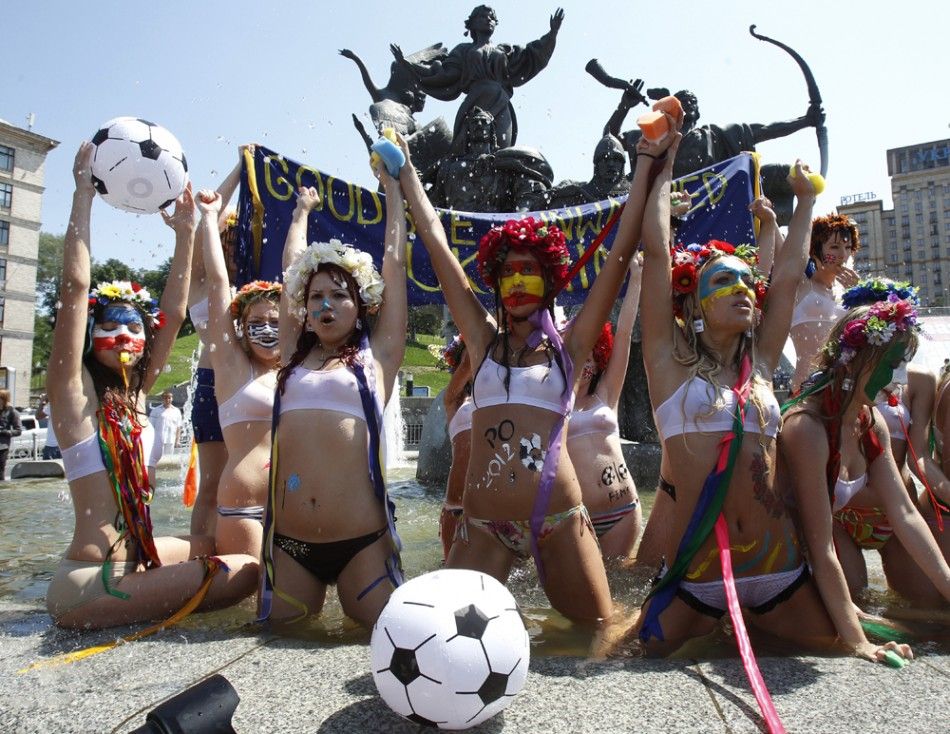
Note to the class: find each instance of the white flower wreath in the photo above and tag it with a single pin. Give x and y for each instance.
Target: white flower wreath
(357, 263)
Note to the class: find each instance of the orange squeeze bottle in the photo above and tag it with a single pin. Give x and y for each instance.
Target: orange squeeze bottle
(654, 126)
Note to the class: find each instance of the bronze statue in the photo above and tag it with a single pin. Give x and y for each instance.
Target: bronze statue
(485, 72)
(468, 180)
(527, 175)
(608, 179)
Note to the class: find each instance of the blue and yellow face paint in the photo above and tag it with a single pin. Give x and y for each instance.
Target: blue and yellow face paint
(725, 277)
(521, 283)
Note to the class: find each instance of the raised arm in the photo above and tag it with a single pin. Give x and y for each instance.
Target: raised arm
(761, 209)
(804, 449)
(175, 296)
(389, 338)
(364, 73)
(64, 371)
(224, 345)
(294, 246)
(903, 516)
(610, 386)
(787, 273)
(814, 117)
(603, 293)
(474, 322)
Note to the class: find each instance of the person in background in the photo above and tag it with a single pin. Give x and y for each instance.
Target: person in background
(51, 447)
(9, 427)
(166, 419)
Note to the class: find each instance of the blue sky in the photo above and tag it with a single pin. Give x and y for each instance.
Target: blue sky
(218, 74)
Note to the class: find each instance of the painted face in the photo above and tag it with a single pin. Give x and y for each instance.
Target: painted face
(891, 369)
(521, 283)
(260, 325)
(263, 334)
(330, 306)
(835, 250)
(725, 277)
(121, 330)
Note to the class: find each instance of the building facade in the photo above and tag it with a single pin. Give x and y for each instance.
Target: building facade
(22, 166)
(912, 240)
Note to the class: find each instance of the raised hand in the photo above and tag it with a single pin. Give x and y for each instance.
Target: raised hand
(800, 183)
(307, 198)
(557, 19)
(209, 203)
(847, 276)
(347, 54)
(182, 220)
(82, 169)
(762, 210)
(397, 53)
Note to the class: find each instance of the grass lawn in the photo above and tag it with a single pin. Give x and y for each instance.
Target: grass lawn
(418, 361)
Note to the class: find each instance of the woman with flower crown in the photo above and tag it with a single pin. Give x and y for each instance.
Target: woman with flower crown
(836, 423)
(242, 337)
(712, 337)
(522, 497)
(109, 346)
(329, 519)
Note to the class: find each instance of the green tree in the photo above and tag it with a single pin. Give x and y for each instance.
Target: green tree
(48, 270)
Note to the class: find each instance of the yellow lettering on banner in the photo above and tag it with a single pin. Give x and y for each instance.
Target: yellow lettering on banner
(411, 275)
(317, 183)
(377, 202)
(715, 194)
(269, 183)
(594, 224)
(455, 226)
(331, 203)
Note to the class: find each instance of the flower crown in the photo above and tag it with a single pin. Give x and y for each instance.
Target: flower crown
(125, 292)
(544, 241)
(357, 263)
(884, 319)
(873, 290)
(257, 289)
(604, 347)
(688, 260)
(452, 354)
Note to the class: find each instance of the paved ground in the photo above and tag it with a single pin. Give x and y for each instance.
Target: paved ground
(289, 685)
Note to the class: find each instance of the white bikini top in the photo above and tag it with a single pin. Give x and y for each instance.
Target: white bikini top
(695, 408)
(335, 389)
(462, 420)
(540, 386)
(893, 414)
(845, 489)
(200, 313)
(600, 420)
(253, 402)
(817, 305)
(85, 458)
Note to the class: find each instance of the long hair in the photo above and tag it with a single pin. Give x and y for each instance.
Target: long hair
(831, 401)
(705, 362)
(105, 380)
(308, 339)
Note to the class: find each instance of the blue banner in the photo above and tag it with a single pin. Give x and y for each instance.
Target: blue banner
(721, 195)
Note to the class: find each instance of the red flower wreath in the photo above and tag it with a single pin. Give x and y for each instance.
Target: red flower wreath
(545, 241)
(684, 278)
(604, 347)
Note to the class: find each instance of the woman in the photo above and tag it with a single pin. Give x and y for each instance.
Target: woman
(206, 426)
(245, 364)
(703, 331)
(329, 519)
(9, 427)
(458, 416)
(834, 240)
(836, 450)
(108, 348)
(593, 433)
(657, 534)
(522, 496)
(902, 408)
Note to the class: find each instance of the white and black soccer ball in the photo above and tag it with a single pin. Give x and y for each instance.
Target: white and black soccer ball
(450, 649)
(137, 165)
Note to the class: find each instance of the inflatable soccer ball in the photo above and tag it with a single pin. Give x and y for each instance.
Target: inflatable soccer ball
(450, 649)
(137, 165)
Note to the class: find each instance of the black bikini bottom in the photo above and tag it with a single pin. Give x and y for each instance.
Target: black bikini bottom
(326, 560)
